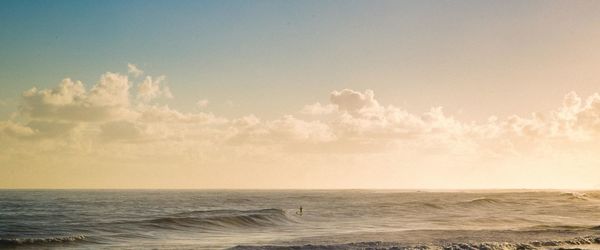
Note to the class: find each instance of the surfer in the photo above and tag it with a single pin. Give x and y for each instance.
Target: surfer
(299, 212)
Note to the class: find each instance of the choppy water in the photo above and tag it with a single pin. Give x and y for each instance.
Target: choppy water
(269, 219)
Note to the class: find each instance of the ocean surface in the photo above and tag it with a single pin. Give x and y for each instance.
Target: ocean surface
(353, 219)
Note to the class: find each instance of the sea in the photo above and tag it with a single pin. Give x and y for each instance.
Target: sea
(271, 219)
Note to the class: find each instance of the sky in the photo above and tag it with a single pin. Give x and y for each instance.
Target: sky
(300, 94)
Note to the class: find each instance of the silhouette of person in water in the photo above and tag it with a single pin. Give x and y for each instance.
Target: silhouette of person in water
(299, 211)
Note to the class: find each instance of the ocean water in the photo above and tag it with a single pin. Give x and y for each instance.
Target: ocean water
(353, 219)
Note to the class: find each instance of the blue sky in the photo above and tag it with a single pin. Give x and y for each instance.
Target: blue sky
(415, 54)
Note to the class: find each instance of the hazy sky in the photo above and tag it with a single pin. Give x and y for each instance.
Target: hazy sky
(299, 94)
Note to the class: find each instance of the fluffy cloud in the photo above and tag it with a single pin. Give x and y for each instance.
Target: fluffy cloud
(107, 111)
(576, 120)
(111, 90)
(354, 101)
(579, 116)
(360, 118)
(113, 120)
(150, 89)
(70, 101)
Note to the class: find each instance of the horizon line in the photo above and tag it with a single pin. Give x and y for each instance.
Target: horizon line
(305, 189)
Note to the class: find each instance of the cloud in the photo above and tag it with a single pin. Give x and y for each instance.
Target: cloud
(157, 113)
(151, 89)
(112, 120)
(299, 130)
(10, 128)
(354, 101)
(121, 131)
(354, 118)
(111, 90)
(70, 101)
(358, 116)
(576, 120)
(66, 93)
(133, 70)
(587, 116)
(51, 129)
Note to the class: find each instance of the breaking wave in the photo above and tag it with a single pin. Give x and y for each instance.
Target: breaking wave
(580, 196)
(220, 219)
(41, 241)
(574, 243)
(574, 196)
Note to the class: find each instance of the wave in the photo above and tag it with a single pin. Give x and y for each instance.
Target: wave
(561, 228)
(579, 196)
(220, 219)
(481, 202)
(593, 194)
(563, 244)
(41, 241)
(587, 196)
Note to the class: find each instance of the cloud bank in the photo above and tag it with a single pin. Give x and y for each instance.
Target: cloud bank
(354, 137)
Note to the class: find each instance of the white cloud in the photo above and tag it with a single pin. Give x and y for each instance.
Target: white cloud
(300, 130)
(354, 118)
(151, 89)
(71, 102)
(64, 94)
(133, 70)
(156, 113)
(110, 120)
(111, 90)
